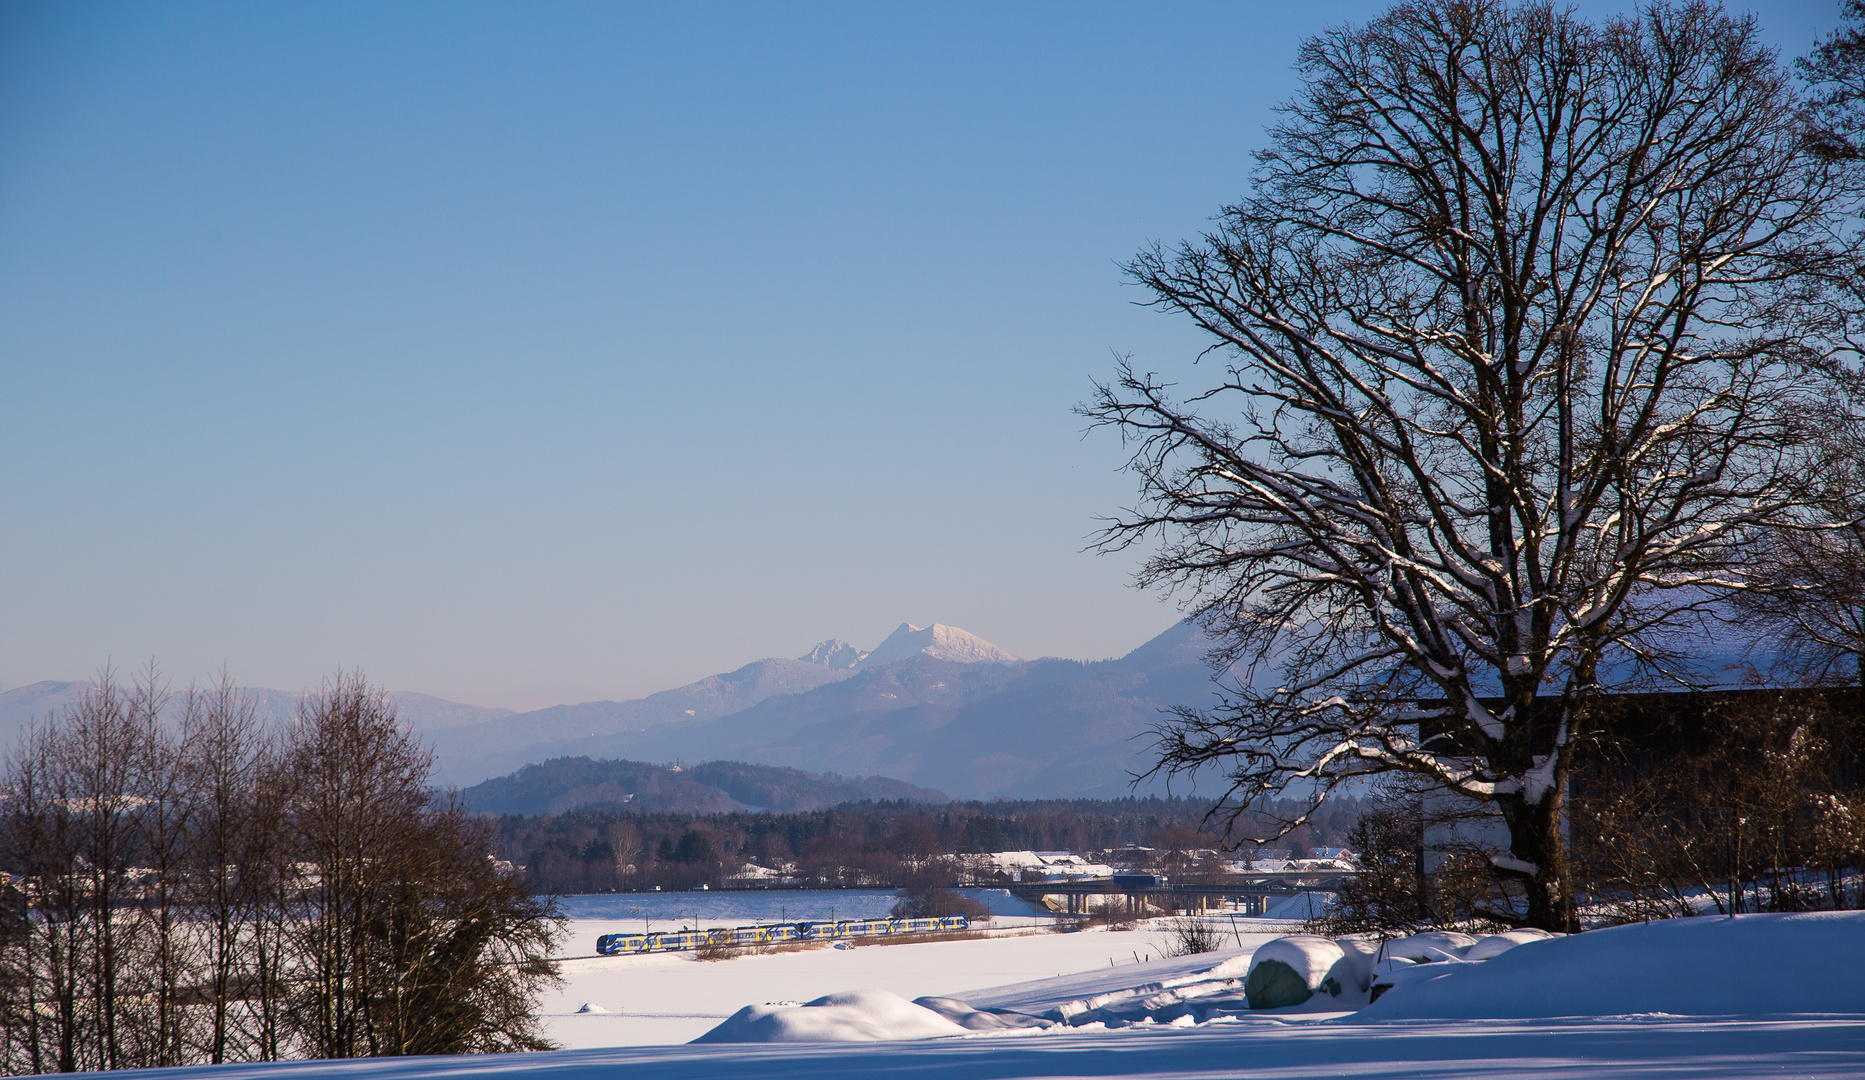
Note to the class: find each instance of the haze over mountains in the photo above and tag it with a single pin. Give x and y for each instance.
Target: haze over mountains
(424, 713)
(933, 706)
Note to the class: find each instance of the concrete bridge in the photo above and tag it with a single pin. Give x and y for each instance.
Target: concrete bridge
(1254, 893)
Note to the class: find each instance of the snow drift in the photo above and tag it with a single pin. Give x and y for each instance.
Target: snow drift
(1747, 965)
(862, 1016)
(856, 1016)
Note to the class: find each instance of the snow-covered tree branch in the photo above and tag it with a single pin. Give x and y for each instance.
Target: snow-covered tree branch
(1522, 330)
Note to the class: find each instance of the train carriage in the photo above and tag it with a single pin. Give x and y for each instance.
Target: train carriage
(775, 933)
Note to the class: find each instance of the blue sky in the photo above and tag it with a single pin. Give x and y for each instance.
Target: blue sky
(536, 353)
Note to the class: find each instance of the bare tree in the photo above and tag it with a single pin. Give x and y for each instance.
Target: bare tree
(39, 824)
(72, 832)
(1809, 603)
(164, 822)
(229, 860)
(354, 779)
(411, 938)
(1522, 324)
(1835, 70)
(206, 895)
(462, 944)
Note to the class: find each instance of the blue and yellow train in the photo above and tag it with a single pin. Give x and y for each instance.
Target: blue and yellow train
(777, 933)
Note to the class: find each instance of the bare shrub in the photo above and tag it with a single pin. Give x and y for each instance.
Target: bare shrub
(1189, 935)
(718, 950)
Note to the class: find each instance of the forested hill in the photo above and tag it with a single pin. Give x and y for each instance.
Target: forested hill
(563, 784)
(780, 788)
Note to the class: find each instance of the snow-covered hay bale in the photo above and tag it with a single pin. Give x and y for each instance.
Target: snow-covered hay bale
(1290, 970)
(1747, 965)
(856, 1016)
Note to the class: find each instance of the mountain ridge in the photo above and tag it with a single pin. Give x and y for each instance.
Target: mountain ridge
(977, 730)
(938, 641)
(935, 707)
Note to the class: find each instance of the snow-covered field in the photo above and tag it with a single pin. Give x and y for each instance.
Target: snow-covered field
(1758, 995)
(672, 997)
(1622, 1048)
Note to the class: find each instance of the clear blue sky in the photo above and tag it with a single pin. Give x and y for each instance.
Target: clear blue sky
(528, 353)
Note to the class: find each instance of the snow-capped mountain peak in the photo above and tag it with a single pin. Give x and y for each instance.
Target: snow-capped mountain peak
(938, 641)
(835, 654)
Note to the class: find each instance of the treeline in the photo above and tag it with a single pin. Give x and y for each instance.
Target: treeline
(1729, 802)
(881, 844)
(1759, 806)
(203, 891)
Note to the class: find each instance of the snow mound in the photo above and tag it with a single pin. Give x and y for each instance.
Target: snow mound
(1495, 945)
(592, 1008)
(1425, 948)
(980, 1019)
(1356, 970)
(938, 641)
(1745, 965)
(856, 1016)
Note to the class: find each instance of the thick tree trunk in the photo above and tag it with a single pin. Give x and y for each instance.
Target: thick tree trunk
(1538, 861)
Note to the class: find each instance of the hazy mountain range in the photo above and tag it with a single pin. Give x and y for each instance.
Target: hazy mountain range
(936, 707)
(932, 706)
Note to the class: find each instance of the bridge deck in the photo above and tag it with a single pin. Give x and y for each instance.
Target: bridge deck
(1252, 892)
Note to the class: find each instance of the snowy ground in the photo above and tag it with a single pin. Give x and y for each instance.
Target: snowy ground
(1710, 998)
(1623, 1048)
(673, 997)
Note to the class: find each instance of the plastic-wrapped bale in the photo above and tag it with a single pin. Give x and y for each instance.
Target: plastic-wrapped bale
(1290, 970)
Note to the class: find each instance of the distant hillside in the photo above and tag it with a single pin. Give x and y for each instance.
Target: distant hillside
(774, 787)
(563, 784)
(552, 787)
